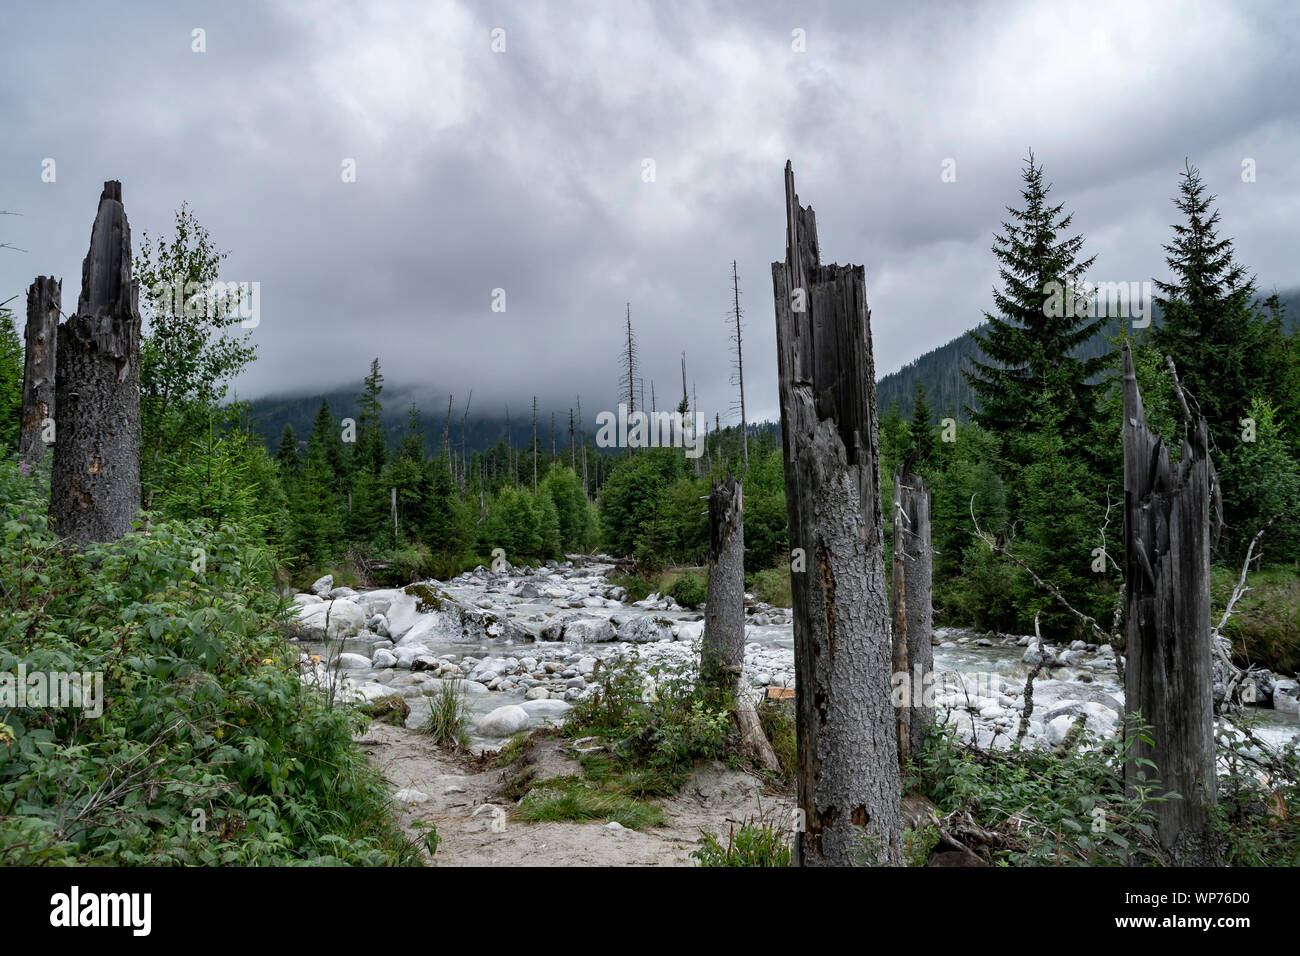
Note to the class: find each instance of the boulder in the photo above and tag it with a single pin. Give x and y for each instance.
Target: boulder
(322, 586)
(645, 629)
(421, 615)
(578, 628)
(503, 721)
(546, 709)
(306, 599)
(345, 620)
(1286, 696)
(353, 661)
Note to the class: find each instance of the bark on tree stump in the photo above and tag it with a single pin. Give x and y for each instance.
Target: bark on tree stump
(847, 744)
(44, 302)
(722, 656)
(913, 607)
(95, 486)
(1168, 681)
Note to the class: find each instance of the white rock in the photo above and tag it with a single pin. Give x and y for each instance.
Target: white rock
(410, 796)
(345, 620)
(384, 658)
(306, 599)
(353, 661)
(503, 721)
(545, 709)
(323, 586)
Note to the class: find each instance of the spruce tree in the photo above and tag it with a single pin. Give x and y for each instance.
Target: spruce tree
(1209, 323)
(924, 452)
(1030, 342)
(372, 447)
(286, 453)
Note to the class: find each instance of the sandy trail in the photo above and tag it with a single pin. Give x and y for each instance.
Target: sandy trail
(465, 797)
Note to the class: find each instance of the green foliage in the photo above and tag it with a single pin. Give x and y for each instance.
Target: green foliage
(572, 799)
(11, 381)
(1069, 808)
(756, 843)
(448, 721)
(1258, 794)
(203, 708)
(189, 350)
(689, 590)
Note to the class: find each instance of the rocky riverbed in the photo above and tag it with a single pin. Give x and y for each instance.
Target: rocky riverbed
(522, 644)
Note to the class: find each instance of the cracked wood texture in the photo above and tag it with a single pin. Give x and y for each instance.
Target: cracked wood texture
(913, 605)
(1168, 681)
(848, 776)
(44, 301)
(95, 486)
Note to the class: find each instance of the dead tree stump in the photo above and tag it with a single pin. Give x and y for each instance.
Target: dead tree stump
(95, 486)
(848, 775)
(44, 302)
(722, 656)
(1168, 681)
(913, 608)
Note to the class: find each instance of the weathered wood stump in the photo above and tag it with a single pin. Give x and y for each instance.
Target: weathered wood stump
(848, 749)
(95, 486)
(1168, 681)
(913, 607)
(722, 656)
(44, 302)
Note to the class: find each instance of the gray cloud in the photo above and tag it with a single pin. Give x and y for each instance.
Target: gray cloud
(523, 170)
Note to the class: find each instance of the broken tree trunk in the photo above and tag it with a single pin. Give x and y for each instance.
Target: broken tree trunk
(848, 750)
(44, 302)
(95, 487)
(1168, 681)
(913, 609)
(722, 657)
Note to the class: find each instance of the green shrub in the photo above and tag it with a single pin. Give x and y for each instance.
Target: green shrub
(209, 749)
(689, 590)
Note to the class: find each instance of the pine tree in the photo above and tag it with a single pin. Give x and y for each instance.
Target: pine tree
(1208, 320)
(286, 453)
(372, 448)
(1030, 346)
(924, 452)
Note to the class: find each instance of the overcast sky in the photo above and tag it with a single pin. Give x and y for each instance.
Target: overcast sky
(524, 170)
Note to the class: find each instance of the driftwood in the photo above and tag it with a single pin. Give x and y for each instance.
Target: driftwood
(1169, 679)
(913, 605)
(95, 486)
(44, 302)
(848, 777)
(722, 656)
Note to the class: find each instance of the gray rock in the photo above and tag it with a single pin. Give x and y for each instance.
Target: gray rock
(353, 661)
(646, 629)
(322, 586)
(345, 620)
(1286, 696)
(503, 721)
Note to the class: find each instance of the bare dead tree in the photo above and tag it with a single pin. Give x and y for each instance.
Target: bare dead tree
(534, 444)
(446, 430)
(464, 456)
(739, 362)
(44, 303)
(573, 461)
(631, 364)
(585, 490)
(95, 484)
(848, 776)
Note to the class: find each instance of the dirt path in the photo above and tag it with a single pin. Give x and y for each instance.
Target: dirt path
(463, 802)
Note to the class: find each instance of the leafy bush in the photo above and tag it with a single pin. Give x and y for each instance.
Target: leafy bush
(1055, 809)
(689, 590)
(209, 749)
